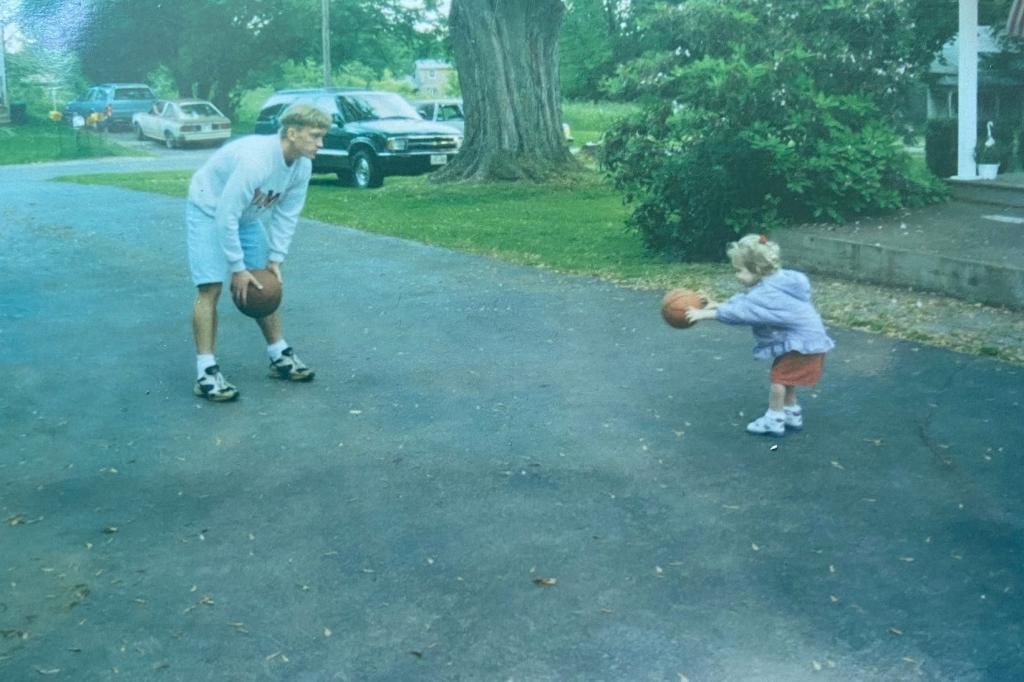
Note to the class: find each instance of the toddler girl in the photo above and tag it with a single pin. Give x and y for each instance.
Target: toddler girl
(777, 306)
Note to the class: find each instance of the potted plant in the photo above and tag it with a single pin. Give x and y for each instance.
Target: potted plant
(988, 155)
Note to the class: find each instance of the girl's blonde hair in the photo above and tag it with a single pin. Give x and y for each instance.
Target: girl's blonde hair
(756, 253)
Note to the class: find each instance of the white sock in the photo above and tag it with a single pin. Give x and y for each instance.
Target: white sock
(775, 415)
(274, 349)
(204, 360)
(792, 409)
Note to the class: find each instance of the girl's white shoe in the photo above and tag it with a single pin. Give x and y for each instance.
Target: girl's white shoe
(794, 418)
(770, 424)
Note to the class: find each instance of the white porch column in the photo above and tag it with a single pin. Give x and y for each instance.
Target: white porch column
(967, 91)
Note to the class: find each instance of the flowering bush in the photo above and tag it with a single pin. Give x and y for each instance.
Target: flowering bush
(744, 147)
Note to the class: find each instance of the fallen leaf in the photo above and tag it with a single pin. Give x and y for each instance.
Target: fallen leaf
(327, 632)
(755, 547)
(48, 671)
(839, 466)
(545, 582)
(896, 632)
(110, 530)
(16, 520)
(816, 666)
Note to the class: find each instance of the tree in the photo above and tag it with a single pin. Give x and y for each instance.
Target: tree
(507, 57)
(213, 48)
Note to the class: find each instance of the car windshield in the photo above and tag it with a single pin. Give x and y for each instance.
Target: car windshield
(133, 93)
(449, 112)
(374, 105)
(198, 109)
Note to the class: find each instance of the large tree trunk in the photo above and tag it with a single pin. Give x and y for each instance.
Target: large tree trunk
(506, 52)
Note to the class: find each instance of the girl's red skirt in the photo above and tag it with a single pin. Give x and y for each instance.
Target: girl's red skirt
(797, 369)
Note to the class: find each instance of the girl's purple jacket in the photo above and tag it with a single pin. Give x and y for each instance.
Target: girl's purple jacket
(779, 310)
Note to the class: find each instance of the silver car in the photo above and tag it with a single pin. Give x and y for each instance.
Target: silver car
(446, 111)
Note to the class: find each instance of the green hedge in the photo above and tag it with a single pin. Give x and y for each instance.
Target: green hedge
(940, 147)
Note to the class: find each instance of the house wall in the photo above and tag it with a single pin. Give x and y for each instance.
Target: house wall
(433, 81)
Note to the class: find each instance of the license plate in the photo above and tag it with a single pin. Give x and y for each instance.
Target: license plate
(438, 159)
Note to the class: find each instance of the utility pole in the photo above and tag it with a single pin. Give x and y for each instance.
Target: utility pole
(325, 39)
(5, 110)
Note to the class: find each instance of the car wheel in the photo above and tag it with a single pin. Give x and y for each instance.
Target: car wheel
(138, 132)
(366, 172)
(169, 140)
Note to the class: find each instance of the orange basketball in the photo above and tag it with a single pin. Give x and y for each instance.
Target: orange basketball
(262, 302)
(675, 303)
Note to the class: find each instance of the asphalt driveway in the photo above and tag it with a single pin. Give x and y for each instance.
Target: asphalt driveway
(500, 473)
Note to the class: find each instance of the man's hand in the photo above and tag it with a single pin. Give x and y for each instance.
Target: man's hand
(275, 267)
(240, 283)
(698, 314)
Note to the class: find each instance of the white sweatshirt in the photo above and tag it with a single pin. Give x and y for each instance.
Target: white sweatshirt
(245, 181)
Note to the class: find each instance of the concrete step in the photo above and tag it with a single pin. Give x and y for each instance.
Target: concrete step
(964, 250)
(1004, 191)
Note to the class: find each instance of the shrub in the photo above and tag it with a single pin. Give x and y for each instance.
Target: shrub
(746, 147)
(940, 146)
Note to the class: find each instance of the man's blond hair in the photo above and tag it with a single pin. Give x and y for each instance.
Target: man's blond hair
(304, 115)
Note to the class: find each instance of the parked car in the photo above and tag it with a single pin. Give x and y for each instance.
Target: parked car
(373, 134)
(446, 111)
(180, 122)
(449, 112)
(115, 103)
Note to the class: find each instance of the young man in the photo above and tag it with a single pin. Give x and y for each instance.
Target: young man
(255, 179)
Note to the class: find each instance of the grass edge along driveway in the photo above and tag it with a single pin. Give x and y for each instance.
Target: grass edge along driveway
(577, 227)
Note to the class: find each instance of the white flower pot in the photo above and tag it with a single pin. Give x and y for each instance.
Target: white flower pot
(988, 171)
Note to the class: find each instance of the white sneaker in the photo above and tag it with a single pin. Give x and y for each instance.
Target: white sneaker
(794, 418)
(290, 368)
(767, 426)
(213, 386)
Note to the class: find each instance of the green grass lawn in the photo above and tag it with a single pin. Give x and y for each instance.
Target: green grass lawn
(578, 227)
(574, 227)
(590, 120)
(36, 142)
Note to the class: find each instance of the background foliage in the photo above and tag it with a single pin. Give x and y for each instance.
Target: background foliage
(217, 49)
(759, 113)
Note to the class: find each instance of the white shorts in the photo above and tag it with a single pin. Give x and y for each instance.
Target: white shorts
(206, 258)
